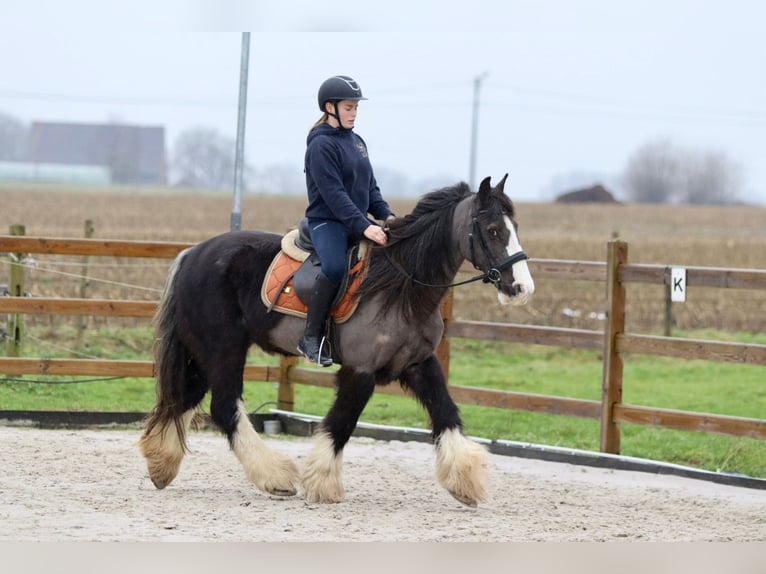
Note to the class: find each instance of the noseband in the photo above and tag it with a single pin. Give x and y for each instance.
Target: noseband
(493, 274)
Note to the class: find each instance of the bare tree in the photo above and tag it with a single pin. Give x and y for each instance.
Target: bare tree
(652, 175)
(660, 172)
(711, 178)
(392, 183)
(202, 157)
(13, 139)
(278, 178)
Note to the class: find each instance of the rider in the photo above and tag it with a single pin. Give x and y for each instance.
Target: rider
(341, 191)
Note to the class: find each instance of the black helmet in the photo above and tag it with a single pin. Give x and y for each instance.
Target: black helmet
(339, 88)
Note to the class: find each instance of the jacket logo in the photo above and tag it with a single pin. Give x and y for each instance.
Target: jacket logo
(362, 149)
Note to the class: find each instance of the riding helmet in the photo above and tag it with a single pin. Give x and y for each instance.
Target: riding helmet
(339, 88)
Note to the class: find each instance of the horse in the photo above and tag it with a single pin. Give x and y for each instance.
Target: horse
(210, 313)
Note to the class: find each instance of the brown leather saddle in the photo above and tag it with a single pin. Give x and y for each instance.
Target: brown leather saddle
(290, 277)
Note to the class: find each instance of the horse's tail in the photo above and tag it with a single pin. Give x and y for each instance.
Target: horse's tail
(172, 363)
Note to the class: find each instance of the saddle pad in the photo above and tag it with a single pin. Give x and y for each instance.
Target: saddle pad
(287, 301)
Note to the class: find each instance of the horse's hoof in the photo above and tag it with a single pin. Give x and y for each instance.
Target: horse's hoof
(291, 491)
(162, 475)
(284, 476)
(473, 503)
(321, 479)
(314, 496)
(159, 484)
(461, 467)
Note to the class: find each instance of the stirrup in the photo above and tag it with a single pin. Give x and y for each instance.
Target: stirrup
(329, 353)
(317, 359)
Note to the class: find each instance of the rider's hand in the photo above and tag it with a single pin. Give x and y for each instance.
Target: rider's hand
(375, 233)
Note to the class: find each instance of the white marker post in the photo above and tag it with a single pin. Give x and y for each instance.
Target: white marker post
(678, 284)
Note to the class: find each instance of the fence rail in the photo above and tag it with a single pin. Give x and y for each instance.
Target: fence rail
(616, 272)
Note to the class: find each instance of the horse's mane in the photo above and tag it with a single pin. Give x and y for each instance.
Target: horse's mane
(421, 244)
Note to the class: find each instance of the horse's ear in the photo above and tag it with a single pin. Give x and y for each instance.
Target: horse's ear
(500, 186)
(485, 190)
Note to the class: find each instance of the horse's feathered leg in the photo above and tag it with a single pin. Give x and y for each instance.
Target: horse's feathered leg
(181, 385)
(268, 469)
(460, 463)
(163, 446)
(322, 480)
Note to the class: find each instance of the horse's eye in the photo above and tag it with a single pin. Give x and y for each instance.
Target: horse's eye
(494, 233)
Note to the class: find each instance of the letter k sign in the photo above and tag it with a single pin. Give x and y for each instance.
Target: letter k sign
(678, 284)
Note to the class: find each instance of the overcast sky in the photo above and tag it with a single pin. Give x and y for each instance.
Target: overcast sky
(572, 88)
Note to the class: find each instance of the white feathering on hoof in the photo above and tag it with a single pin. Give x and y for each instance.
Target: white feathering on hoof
(269, 470)
(163, 449)
(461, 467)
(322, 480)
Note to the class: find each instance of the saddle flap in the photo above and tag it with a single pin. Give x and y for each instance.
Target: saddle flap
(306, 276)
(289, 282)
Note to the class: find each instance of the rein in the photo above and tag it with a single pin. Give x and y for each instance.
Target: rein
(492, 275)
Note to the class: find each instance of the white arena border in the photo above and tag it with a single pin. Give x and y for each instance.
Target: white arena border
(303, 424)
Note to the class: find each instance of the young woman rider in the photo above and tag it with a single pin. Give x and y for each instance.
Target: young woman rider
(341, 192)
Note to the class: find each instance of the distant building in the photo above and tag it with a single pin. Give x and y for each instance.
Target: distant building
(55, 173)
(132, 154)
(593, 194)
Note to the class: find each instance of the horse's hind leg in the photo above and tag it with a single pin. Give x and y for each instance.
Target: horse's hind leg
(460, 463)
(163, 442)
(322, 480)
(163, 447)
(268, 469)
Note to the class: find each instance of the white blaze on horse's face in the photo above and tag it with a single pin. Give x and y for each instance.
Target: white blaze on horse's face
(522, 278)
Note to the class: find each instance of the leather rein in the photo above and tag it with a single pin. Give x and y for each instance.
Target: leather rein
(493, 273)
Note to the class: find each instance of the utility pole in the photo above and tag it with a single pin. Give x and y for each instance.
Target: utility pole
(239, 156)
(475, 128)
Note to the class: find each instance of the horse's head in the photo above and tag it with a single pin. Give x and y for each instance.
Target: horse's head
(494, 246)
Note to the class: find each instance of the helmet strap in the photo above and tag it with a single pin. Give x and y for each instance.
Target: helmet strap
(336, 115)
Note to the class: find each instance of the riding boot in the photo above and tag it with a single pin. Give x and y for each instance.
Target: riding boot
(313, 344)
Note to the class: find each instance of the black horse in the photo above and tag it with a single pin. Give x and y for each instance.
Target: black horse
(211, 312)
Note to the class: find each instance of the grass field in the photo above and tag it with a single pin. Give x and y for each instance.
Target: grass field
(733, 236)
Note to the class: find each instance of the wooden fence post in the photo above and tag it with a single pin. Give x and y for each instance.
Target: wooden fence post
(286, 389)
(82, 322)
(443, 350)
(611, 389)
(16, 288)
(669, 321)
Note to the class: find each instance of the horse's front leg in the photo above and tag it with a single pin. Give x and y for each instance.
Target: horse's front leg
(460, 463)
(322, 476)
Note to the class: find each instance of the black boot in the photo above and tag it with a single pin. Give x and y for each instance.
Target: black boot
(313, 345)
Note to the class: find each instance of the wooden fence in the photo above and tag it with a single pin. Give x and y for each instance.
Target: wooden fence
(616, 272)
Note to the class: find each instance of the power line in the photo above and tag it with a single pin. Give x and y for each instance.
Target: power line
(112, 100)
(573, 97)
(678, 116)
(555, 102)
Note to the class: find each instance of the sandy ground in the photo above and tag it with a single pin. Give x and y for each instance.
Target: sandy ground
(91, 485)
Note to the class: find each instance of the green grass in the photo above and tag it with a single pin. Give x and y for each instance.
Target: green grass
(701, 386)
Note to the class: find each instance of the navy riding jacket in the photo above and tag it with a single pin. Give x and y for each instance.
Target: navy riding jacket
(339, 179)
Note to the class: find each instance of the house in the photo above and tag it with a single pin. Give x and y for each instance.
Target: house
(133, 154)
(593, 194)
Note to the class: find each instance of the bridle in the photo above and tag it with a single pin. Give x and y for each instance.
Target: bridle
(493, 274)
